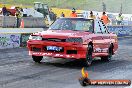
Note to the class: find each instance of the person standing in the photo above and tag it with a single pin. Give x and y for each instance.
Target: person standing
(97, 16)
(25, 11)
(105, 18)
(91, 15)
(18, 17)
(4, 10)
(52, 15)
(119, 19)
(62, 14)
(73, 14)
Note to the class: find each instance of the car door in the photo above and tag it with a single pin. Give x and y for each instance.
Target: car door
(106, 36)
(98, 37)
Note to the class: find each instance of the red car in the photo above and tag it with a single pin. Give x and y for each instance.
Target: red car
(74, 38)
(11, 12)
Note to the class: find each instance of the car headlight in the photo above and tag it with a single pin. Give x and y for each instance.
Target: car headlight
(31, 37)
(80, 40)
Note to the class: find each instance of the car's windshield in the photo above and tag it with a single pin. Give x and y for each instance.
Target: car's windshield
(78, 24)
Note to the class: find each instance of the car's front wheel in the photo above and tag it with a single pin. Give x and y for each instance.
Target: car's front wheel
(37, 58)
(89, 55)
(110, 53)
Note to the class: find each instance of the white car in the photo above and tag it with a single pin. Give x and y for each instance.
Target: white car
(32, 13)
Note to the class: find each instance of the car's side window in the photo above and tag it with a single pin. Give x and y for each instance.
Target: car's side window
(84, 25)
(97, 27)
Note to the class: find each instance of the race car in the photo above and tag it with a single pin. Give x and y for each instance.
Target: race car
(74, 38)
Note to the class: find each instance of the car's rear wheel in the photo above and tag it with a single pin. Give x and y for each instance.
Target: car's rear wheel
(89, 58)
(37, 58)
(110, 53)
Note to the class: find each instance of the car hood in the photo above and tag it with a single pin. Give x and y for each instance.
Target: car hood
(63, 33)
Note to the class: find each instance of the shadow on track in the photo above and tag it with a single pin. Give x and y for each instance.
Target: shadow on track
(97, 65)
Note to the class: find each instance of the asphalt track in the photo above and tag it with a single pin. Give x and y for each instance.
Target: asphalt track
(17, 70)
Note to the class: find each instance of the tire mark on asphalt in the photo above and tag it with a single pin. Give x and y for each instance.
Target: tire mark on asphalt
(5, 62)
(13, 66)
(14, 50)
(2, 56)
(31, 76)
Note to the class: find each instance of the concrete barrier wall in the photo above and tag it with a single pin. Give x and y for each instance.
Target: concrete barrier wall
(1, 21)
(9, 41)
(15, 37)
(20, 30)
(8, 21)
(29, 22)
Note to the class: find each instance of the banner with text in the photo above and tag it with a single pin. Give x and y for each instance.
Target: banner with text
(121, 31)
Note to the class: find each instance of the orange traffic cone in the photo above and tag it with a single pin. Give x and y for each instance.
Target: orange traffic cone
(22, 24)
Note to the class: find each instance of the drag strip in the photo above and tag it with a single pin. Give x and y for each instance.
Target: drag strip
(17, 70)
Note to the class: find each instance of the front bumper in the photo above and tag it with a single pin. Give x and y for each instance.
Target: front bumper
(69, 51)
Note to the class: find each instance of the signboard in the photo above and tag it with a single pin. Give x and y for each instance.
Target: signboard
(121, 30)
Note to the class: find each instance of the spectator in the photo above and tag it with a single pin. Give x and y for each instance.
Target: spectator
(105, 18)
(97, 16)
(62, 14)
(52, 15)
(18, 17)
(73, 14)
(25, 11)
(4, 10)
(92, 16)
(21, 11)
(119, 19)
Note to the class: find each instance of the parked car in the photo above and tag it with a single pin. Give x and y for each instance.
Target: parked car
(74, 38)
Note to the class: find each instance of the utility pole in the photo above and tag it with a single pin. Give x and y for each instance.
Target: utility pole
(103, 6)
(121, 8)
